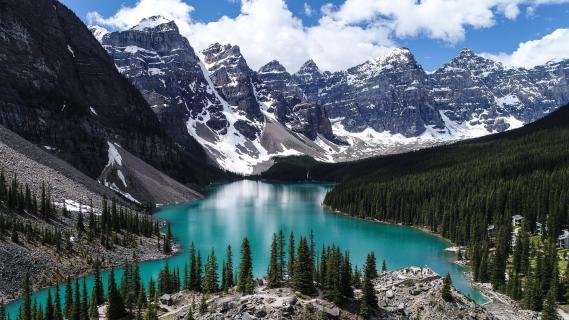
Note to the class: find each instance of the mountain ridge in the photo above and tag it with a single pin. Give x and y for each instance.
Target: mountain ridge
(385, 105)
(60, 89)
(219, 102)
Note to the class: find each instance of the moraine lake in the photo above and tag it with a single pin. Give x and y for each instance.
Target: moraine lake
(256, 210)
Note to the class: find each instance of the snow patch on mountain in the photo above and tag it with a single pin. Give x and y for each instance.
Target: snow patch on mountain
(114, 155)
(115, 164)
(370, 142)
(150, 23)
(235, 152)
(98, 32)
(71, 51)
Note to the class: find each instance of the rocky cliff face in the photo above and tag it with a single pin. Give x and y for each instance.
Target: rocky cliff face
(290, 105)
(469, 96)
(163, 66)
(60, 88)
(220, 102)
(385, 105)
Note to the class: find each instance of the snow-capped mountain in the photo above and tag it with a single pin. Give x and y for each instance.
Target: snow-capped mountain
(389, 104)
(214, 101)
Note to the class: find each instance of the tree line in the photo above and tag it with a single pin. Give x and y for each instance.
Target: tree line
(459, 191)
(300, 267)
(115, 225)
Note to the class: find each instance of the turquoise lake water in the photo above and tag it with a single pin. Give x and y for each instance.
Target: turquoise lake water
(257, 209)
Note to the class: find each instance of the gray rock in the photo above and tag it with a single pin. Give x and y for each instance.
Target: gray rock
(60, 88)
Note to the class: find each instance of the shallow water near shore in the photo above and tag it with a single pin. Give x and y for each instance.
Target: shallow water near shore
(256, 210)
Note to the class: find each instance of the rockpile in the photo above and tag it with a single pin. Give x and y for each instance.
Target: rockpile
(411, 293)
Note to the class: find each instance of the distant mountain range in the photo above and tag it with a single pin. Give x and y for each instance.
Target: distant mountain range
(243, 118)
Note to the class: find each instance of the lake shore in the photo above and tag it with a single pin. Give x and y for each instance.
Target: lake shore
(420, 228)
(53, 269)
(500, 305)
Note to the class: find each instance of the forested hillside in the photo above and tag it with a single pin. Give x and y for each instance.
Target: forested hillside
(469, 192)
(457, 190)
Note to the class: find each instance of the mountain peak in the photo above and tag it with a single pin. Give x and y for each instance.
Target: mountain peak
(98, 31)
(396, 56)
(154, 22)
(309, 67)
(273, 66)
(400, 52)
(465, 52)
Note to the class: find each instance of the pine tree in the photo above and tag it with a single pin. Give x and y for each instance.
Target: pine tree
(446, 289)
(2, 306)
(346, 276)
(332, 279)
(193, 277)
(281, 264)
(273, 272)
(312, 249)
(384, 266)
(49, 311)
(27, 296)
(210, 283)
(151, 289)
(229, 268)
(151, 312)
(203, 305)
(245, 282)
(84, 302)
(141, 300)
(371, 267)
(167, 247)
(550, 307)
(499, 264)
(34, 310)
(357, 281)
(291, 256)
(68, 298)
(58, 313)
(369, 299)
(80, 225)
(14, 237)
(115, 305)
(483, 274)
(97, 295)
(76, 309)
(302, 276)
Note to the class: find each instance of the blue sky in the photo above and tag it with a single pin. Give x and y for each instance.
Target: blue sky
(501, 36)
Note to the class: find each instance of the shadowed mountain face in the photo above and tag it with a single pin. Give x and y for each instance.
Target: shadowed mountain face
(60, 88)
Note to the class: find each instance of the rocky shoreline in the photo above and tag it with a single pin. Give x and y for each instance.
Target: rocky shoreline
(410, 293)
(500, 305)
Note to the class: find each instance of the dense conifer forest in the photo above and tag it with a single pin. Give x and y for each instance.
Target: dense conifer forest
(331, 272)
(35, 219)
(468, 192)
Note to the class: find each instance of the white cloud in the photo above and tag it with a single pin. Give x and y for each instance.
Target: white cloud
(438, 19)
(265, 30)
(127, 17)
(308, 11)
(346, 35)
(535, 52)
